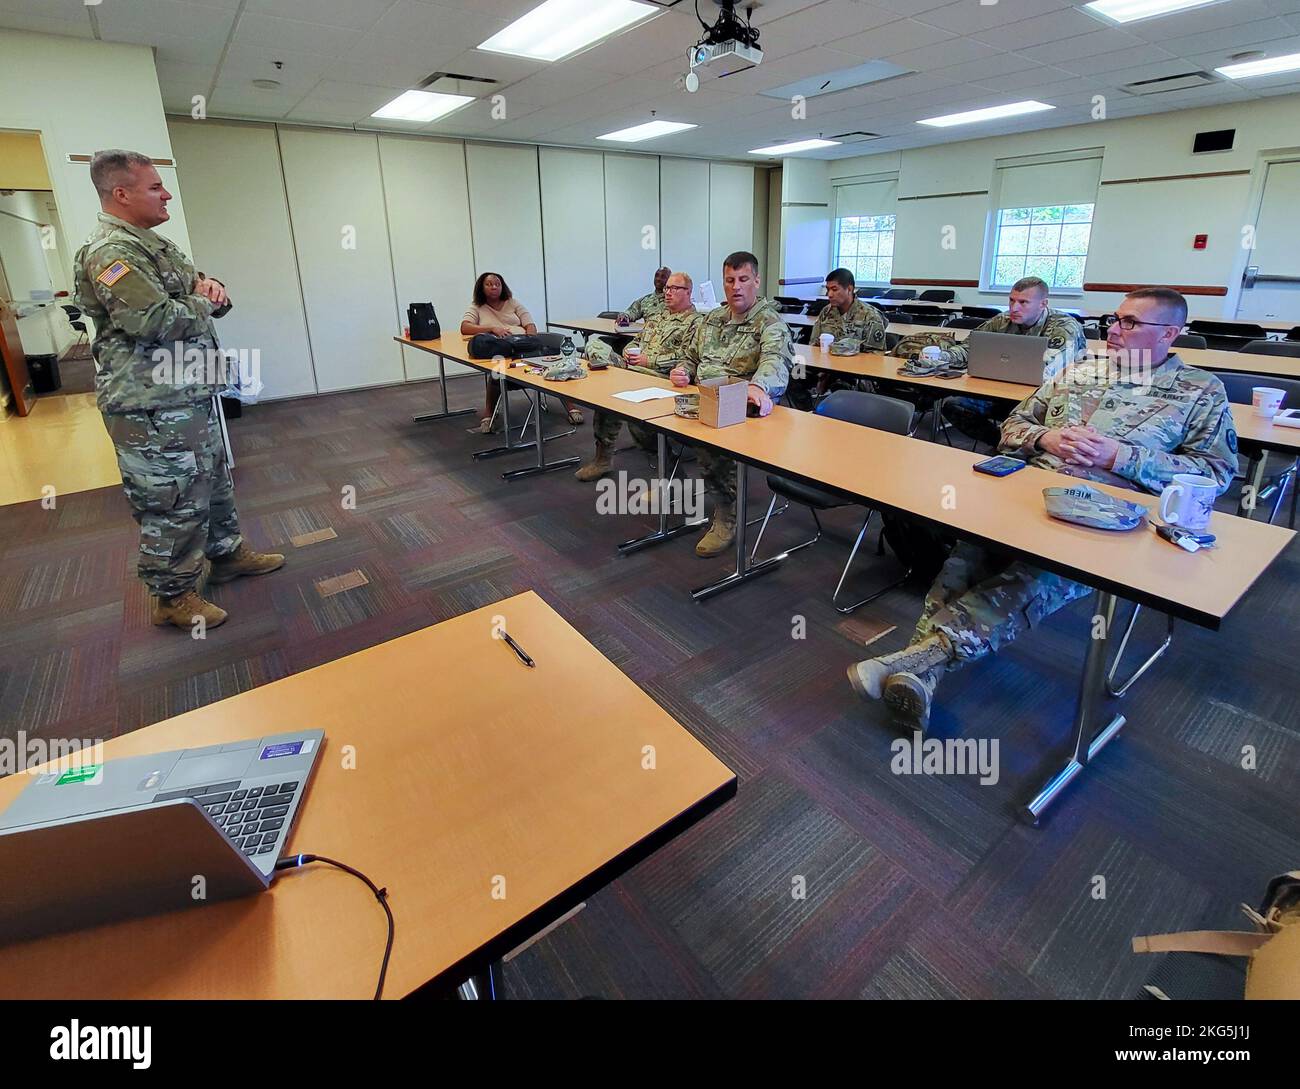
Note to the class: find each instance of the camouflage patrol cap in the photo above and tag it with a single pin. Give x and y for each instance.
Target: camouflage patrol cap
(1087, 506)
(846, 346)
(565, 370)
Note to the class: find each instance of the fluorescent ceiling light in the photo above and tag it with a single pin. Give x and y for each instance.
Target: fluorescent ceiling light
(421, 106)
(1266, 67)
(991, 113)
(557, 28)
(648, 131)
(1130, 11)
(795, 146)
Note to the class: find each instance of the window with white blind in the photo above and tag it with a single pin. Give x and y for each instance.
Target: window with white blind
(1043, 222)
(864, 229)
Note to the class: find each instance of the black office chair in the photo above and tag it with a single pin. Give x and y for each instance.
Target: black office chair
(1241, 329)
(816, 306)
(1093, 331)
(1225, 343)
(958, 321)
(74, 320)
(1189, 340)
(852, 406)
(1239, 387)
(1273, 347)
(938, 294)
(788, 304)
(898, 293)
(983, 312)
(612, 315)
(1293, 333)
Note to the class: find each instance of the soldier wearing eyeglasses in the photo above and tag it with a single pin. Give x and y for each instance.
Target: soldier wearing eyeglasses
(1134, 420)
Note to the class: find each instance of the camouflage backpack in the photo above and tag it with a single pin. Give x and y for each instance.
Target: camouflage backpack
(910, 346)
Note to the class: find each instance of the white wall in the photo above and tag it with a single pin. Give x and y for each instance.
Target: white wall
(631, 226)
(506, 216)
(806, 224)
(731, 214)
(684, 199)
(573, 187)
(1145, 218)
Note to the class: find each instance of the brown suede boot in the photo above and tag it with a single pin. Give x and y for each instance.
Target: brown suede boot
(909, 697)
(721, 534)
(599, 465)
(244, 561)
(180, 611)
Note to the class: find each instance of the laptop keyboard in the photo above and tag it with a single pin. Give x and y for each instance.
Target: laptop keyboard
(253, 818)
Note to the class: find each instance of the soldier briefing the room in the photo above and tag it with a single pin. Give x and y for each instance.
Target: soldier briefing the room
(148, 303)
(1135, 427)
(658, 348)
(856, 326)
(745, 337)
(1028, 313)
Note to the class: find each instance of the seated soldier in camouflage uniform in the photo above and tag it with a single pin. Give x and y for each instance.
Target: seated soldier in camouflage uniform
(657, 349)
(152, 313)
(846, 318)
(745, 337)
(1028, 314)
(642, 309)
(1123, 422)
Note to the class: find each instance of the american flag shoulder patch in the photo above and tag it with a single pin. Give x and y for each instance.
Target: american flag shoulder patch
(113, 273)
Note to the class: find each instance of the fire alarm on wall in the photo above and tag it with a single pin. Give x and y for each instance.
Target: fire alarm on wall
(1199, 242)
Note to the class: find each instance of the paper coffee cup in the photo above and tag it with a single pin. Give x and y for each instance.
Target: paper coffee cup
(1267, 400)
(826, 340)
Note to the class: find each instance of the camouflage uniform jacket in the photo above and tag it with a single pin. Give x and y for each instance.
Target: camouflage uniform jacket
(646, 307)
(863, 322)
(136, 286)
(1065, 339)
(757, 347)
(1179, 422)
(666, 340)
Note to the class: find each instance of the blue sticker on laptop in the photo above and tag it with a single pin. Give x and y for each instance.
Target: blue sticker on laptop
(288, 748)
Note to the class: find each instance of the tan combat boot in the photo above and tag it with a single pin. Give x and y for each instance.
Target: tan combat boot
(868, 677)
(599, 465)
(909, 697)
(180, 611)
(721, 535)
(244, 561)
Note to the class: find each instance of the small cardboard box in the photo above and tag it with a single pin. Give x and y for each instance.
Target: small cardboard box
(723, 401)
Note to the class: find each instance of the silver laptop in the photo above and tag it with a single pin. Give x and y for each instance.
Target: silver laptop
(1005, 357)
(146, 834)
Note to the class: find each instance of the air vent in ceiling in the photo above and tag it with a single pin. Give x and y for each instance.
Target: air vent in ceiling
(854, 137)
(454, 83)
(1159, 86)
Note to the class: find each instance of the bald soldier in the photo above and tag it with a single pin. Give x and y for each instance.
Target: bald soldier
(1135, 421)
(657, 349)
(153, 315)
(743, 338)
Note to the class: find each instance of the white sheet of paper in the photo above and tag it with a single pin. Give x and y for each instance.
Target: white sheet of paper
(636, 396)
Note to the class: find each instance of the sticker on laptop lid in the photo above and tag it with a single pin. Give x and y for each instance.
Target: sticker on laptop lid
(87, 773)
(285, 748)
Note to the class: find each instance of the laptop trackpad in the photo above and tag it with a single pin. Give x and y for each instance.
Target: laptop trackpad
(203, 770)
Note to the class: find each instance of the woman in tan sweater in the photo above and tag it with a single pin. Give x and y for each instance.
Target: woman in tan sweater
(495, 310)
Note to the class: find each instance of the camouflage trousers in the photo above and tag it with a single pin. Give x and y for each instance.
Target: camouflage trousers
(607, 428)
(719, 472)
(606, 350)
(981, 601)
(175, 477)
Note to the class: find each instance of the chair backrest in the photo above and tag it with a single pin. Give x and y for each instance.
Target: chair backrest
(939, 294)
(73, 312)
(1225, 343)
(608, 314)
(1273, 347)
(891, 339)
(899, 293)
(552, 341)
(1227, 329)
(816, 306)
(981, 312)
(1294, 333)
(958, 321)
(869, 410)
(1093, 331)
(1239, 385)
(1189, 340)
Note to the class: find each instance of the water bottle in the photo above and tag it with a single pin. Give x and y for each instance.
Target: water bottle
(567, 350)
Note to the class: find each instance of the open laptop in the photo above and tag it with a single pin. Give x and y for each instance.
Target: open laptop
(146, 834)
(1005, 357)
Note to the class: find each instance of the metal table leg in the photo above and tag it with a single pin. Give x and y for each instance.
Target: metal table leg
(445, 413)
(1089, 740)
(744, 569)
(483, 986)
(539, 442)
(665, 532)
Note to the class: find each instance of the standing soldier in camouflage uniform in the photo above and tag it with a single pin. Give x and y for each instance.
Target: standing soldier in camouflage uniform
(744, 338)
(847, 318)
(1028, 314)
(149, 308)
(657, 349)
(1135, 427)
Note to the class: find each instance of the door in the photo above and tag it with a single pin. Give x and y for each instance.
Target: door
(1271, 287)
(12, 355)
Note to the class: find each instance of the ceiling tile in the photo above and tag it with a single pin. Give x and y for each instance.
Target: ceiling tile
(350, 14)
(810, 62)
(269, 32)
(1199, 20)
(72, 11)
(1041, 28)
(912, 7)
(1133, 61)
(1230, 39)
(975, 71)
(1041, 79)
(893, 38)
(1110, 40)
(168, 17)
(824, 24)
(933, 58)
(435, 25)
(967, 17)
(667, 37)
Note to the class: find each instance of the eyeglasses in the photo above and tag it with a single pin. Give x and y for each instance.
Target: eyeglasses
(1128, 324)
(676, 287)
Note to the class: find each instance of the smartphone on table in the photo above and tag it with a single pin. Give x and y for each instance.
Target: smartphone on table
(999, 466)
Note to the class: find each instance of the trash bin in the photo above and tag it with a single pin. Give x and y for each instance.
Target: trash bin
(44, 371)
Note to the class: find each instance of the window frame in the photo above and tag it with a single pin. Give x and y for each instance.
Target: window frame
(992, 283)
(839, 261)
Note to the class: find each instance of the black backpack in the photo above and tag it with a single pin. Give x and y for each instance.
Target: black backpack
(921, 547)
(423, 322)
(515, 346)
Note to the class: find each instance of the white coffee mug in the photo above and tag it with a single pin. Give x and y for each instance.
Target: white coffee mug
(1188, 502)
(1266, 400)
(826, 340)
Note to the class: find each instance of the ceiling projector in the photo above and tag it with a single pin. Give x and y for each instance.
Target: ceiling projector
(729, 46)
